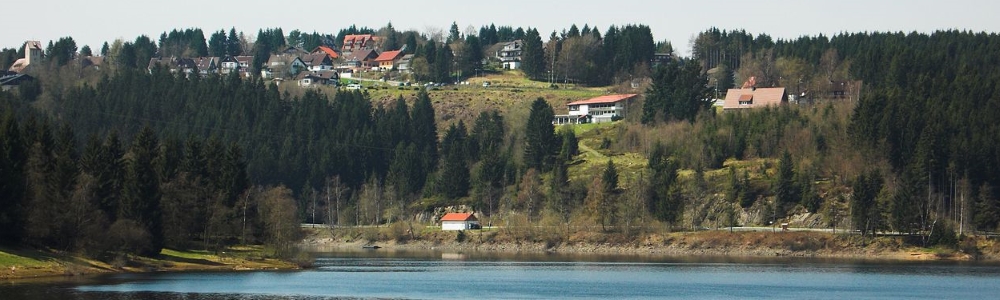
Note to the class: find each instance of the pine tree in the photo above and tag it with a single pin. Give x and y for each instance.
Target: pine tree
(533, 55)
(539, 142)
(13, 155)
(866, 188)
(141, 196)
(664, 200)
(570, 145)
(679, 92)
(424, 135)
(454, 179)
(233, 44)
(217, 44)
(784, 186)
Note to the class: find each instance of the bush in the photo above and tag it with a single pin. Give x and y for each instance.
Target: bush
(399, 231)
(942, 234)
(969, 245)
(460, 237)
(130, 237)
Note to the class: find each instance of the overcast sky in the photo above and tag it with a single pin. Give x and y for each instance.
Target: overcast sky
(94, 22)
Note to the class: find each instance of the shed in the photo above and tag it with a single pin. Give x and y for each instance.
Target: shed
(459, 221)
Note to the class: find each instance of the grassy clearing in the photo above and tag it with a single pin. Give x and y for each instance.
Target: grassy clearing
(13, 258)
(508, 93)
(16, 264)
(594, 154)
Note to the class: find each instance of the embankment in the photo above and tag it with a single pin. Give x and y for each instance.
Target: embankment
(706, 243)
(32, 263)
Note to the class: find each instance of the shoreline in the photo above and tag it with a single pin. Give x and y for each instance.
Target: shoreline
(33, 264)
(708, 244)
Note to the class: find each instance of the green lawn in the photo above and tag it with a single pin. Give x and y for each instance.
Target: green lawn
(10, 258)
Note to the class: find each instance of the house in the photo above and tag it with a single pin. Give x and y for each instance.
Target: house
(185, 65)
(660, 58)
(357, 60)
(280, 66)
(403, 64)
(32, 53)
(510, 55)
(92, 62)
(754, 98)
(318, 61)
(387, 60)
(597, 110)
(459, 221)
(840, 89)
(228, 64)
(206, 65)
(290, 50)
(329, 51)
(244, 61)
(317, 78)
(356, 42)
(9, 81)
(157, 61)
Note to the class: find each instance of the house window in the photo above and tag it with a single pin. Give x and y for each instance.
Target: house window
(746, 102)
(574, 108)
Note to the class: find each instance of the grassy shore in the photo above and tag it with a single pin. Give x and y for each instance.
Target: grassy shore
(33, 263)
(705, 243)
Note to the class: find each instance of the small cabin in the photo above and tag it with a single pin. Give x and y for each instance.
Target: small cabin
(459, 221)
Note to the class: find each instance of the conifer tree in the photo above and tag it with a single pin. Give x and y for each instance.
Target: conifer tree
(141, 196)
(539, 137)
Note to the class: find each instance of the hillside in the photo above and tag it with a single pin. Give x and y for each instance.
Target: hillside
(875, 139)
(508, 92)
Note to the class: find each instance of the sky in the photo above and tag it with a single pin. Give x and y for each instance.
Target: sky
(94, 22)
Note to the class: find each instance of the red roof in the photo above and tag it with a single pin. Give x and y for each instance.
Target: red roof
(603, 99)
(758, 97)
(388, 56)
(328, 51)
(458, 217)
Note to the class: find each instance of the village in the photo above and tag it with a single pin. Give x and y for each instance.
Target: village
(361, 62)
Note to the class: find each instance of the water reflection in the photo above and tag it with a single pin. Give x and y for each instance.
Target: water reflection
(450, 275)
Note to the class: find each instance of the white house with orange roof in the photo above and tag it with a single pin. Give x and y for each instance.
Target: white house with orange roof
(387, 60)
(459, 221)
(595, 110)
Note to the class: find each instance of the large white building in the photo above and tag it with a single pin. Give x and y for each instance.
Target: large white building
(510, 55)
(595, 110)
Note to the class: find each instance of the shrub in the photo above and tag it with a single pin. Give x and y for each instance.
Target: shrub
(130, 237)
(942, 234)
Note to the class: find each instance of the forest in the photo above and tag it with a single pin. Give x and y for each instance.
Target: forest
(915, 153)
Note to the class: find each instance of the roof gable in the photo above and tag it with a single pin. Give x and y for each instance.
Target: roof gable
(329, 51)
(458, 217)
(388, 56)
(758, 97)
(362, 55)
(604, 99)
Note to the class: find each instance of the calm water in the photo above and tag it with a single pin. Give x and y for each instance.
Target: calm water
(435, 275)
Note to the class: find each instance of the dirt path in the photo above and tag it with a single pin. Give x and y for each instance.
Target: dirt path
(591, 151)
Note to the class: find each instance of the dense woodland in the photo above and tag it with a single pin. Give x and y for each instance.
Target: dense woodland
(162, 160)
(922, 127)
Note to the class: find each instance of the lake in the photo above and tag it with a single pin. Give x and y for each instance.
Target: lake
(382, 274)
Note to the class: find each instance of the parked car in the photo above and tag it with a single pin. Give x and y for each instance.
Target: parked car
(354, 86)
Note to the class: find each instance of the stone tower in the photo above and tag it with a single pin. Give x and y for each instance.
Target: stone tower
(33, 52)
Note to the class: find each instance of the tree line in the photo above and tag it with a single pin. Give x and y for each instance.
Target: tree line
(922, 122)
(116, 197)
